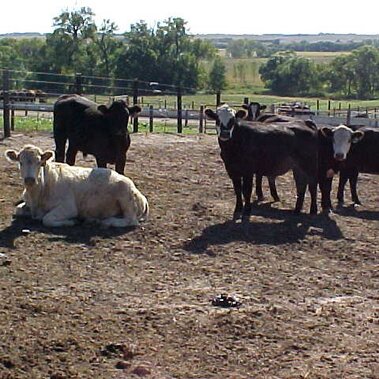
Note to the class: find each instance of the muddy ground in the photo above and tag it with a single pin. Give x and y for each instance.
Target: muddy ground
(87, 302)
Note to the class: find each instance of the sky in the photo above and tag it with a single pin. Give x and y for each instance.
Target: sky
(204, 17)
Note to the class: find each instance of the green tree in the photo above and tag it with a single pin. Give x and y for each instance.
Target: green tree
(291, 76)
(69, 43)
(217, 75)
(366, 67)
(166, 54)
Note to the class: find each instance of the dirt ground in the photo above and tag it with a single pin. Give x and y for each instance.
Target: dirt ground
(88, 302)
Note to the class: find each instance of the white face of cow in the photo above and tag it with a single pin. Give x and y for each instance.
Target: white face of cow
(254, 110)
(30, 160)
(225, 123)
(225, 118)
(343, 137)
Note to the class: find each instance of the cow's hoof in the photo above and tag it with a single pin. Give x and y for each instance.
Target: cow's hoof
(276, 199)
(237, 215)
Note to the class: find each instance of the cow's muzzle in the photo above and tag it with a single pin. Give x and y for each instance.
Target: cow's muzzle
(29, 182)
(339, 157)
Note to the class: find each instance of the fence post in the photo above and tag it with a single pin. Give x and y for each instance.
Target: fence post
(318, 107)
(246, 100)
(6, 104)
(179, 101)
(78, 83)
(135, 101)
(348, 117)
(201, 119)
(218, 98)
(151, 119)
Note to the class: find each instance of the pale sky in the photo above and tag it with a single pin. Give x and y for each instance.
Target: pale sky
(205, 17)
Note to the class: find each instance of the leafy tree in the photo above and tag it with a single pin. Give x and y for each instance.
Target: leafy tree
(366, 68)
(68, 43)
(217, 75)
(108, 47)
(166, 54)
(291, 75)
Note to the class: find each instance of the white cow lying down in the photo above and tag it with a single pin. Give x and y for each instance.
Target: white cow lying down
(56, 193)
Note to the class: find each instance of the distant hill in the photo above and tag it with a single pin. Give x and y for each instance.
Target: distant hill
(22, 35)
(281, 38)
(289, 38)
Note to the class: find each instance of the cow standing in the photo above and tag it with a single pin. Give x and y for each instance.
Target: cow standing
(57, 193)
(266, 149)
(354, 151)
(254, 114)
(94, 129)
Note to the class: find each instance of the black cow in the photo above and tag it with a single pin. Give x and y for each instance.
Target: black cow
(353, 151)
(266, 149)
(100, 130)
(254, 114)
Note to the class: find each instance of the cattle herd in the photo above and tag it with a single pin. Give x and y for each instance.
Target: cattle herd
(251, 143)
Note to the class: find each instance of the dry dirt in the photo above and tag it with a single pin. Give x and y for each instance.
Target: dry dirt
(87, 302)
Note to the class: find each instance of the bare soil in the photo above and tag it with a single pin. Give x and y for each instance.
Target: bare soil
(89, 302)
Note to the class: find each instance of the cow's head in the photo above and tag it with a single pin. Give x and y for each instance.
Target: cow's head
(30, 159)
(225, 118)
(342, 138)
(117, 115)
(253, 110)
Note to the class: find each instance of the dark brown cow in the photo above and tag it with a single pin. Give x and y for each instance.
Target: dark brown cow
(254, 114)
(249, 149)
(353, 151)
(100, 130)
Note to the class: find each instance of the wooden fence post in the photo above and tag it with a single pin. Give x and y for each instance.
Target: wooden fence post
(201, 119)
(218, 98)
(78, 83)
(348, 116)
(246, 100)
(179, 118)
(151, 119)
(135, 101)
(318, 107)
(6, 106)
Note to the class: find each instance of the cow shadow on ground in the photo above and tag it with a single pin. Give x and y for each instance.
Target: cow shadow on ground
(286, 227)
(358, 212)
(86, 234)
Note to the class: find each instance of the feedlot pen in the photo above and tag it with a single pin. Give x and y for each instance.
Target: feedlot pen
(87, 302)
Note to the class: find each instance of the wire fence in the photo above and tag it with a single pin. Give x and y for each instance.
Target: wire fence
(35, 93)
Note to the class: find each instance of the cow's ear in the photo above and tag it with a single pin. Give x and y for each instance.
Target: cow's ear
(134, 110)
(211, 114)
(102, 108)
(46, 156)
(12, 156)
(357, 136)
(245, 106)
(241, 114)
(327, 132)
(263, 107)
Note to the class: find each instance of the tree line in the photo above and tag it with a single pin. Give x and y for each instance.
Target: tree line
(167, 54)
(354, 75)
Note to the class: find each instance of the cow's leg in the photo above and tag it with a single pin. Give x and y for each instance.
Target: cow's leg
(101, 162)
(120, 164)
(61, 215)
(312, 187)
(353, 179)
(71, 154)
(237, 185)
(301, 186)
(344, 176)
(325, 185)
(273, 191)
(60, 139)
(247, 187)
(258, 187)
